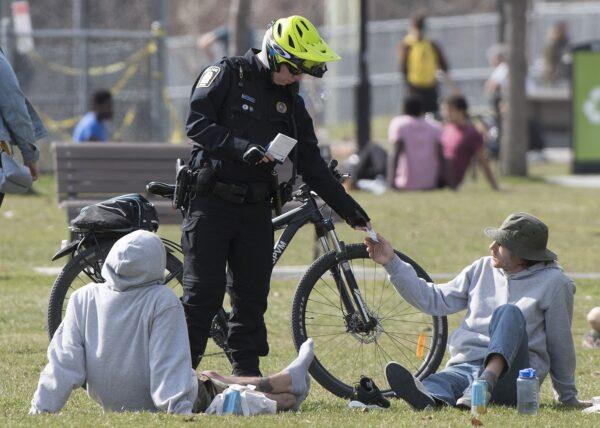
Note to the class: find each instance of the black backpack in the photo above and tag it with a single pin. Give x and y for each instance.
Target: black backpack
(122, 214)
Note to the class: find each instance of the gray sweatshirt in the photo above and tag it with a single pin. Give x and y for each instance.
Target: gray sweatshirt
(126, 338)
(543, 293)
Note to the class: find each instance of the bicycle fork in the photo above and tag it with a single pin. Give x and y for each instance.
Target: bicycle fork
(349, 292)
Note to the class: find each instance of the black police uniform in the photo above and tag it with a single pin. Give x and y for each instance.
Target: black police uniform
(235, 104)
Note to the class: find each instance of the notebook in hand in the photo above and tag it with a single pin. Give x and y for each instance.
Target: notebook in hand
(281, 146)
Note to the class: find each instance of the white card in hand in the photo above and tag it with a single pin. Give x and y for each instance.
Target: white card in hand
(372, 235)
(281, 146)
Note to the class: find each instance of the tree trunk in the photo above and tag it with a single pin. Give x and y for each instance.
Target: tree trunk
(239, 12)
(513, 149)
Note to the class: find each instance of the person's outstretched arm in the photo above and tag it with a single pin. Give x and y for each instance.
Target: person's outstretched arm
(402, 50)
(443, 66)
(487, 170)
(173, 383)
(65, 370)
(430, 298)
(397, 149)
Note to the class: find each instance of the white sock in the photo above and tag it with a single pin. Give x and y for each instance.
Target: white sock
(298, 369)
(300, 398)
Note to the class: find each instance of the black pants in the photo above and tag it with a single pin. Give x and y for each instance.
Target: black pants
(217, 233)
(428, 96)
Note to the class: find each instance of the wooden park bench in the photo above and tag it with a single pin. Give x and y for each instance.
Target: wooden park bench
(92, 172)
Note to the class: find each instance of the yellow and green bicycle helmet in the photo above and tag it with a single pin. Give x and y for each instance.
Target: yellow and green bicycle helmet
(295, 40)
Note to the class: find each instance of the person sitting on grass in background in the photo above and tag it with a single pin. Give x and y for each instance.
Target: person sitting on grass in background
(519, 310)
(461, 143)
(415, 162)
(92, 126)
(366, 167)
(126, 339)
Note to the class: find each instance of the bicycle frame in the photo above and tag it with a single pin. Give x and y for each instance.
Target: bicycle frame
(291, 222)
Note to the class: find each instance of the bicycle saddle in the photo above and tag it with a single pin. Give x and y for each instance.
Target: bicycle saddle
(161, 189)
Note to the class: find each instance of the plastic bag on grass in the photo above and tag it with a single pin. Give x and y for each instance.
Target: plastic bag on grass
(242, 401)
(595, 407)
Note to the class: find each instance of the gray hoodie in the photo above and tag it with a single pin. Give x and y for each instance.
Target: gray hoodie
(126, 338)
(543, 293)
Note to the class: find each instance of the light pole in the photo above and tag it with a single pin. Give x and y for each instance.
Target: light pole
(363, 95)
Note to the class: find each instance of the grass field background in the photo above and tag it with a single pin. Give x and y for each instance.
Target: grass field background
(441, 230)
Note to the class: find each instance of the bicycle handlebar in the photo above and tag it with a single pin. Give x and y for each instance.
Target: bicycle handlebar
(161, 189)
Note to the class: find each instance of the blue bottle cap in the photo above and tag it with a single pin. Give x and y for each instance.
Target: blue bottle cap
(527, 373)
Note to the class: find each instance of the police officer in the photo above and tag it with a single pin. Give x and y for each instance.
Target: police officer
(237, 107)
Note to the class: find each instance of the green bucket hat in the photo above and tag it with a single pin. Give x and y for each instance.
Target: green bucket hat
(524, 235)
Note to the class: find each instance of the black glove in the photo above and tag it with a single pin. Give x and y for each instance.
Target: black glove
(254, 154)
(358, 218)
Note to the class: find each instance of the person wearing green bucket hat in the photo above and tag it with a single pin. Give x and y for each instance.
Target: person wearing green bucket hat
(525, 236)
(519, 307)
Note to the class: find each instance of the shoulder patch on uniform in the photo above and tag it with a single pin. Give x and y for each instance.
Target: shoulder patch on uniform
(208, 76)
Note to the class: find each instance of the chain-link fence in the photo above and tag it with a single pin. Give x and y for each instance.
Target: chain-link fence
(54, 77)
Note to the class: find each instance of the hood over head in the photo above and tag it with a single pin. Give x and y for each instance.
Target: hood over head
(136, 260)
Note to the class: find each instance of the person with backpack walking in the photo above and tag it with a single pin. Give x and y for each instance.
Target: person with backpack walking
(420, 59)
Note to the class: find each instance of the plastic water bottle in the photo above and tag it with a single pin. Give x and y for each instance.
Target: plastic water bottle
(528, 392)
(479, 389)
(232, 403)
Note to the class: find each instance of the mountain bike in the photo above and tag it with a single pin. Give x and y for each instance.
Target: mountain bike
(344, 300)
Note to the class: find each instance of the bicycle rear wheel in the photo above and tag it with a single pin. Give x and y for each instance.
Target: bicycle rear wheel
(403, 333)
(84, 268)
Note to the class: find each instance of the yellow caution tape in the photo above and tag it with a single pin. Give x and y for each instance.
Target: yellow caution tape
(129, 73)
(131, 67)
(57, 126)
(137, 56)
(127, 121)
(176, 134)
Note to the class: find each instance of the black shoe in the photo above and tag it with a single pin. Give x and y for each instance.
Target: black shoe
(367, 395)
(408, 387)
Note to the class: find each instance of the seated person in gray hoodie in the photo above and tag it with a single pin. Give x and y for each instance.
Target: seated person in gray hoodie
(519, 309)
(126, 339)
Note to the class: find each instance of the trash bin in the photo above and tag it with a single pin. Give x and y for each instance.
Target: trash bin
(585, 108)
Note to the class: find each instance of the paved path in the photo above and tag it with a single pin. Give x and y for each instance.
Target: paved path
(588, 181)
(296, 272)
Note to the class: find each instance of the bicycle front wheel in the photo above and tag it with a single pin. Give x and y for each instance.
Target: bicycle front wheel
(343, 351)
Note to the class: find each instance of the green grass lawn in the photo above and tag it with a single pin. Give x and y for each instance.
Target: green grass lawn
(441, 230)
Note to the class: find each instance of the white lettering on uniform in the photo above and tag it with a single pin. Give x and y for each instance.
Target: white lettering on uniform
(208, 76)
